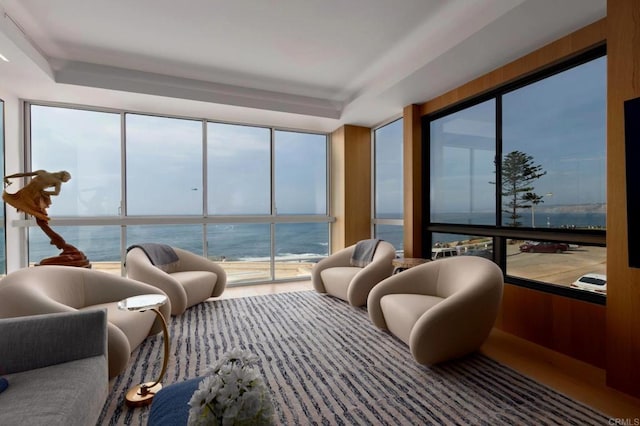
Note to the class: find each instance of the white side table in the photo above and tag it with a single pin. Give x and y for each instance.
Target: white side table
(142, 394)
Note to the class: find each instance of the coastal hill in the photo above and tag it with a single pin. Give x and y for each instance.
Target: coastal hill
(572, 208)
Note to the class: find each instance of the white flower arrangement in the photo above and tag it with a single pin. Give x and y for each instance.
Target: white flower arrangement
(232, 393)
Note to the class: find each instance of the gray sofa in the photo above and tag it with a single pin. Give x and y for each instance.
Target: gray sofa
(56, 366)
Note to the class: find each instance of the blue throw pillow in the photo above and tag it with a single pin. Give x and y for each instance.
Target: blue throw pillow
(4, 383)
(170, 406)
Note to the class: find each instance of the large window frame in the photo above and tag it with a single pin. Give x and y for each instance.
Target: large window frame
(384, 226)
(500, 233)
(123, 220)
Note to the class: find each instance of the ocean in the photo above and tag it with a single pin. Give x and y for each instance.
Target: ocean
(248, 242)
(252, 242)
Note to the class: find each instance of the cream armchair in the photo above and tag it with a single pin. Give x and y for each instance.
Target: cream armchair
(334, 274)
(442, 309)
(188, 281)
(50, 289)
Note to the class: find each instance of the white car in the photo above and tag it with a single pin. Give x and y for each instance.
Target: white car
(441, 253)
(592, 282)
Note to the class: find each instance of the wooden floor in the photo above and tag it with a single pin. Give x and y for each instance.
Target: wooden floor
(566, 375)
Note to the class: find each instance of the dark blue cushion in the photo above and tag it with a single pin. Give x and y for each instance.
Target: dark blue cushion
(3, 384)
(170, 406)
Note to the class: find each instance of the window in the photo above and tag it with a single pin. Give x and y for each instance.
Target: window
(447, 245)
(164, 166)
(524, 169)
(300, 189)
(300, 173)
(463, 148)
(245, 250)
(559, 122)
(556, 262)
(238, 169)
(87, 145)
(253, 198)
(298, 246)
(387, 183)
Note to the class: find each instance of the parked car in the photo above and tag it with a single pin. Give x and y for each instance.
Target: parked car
(441, 253)
(591, 282)
(544, 247)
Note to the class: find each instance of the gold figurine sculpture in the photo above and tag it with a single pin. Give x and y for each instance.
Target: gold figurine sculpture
(34, 199)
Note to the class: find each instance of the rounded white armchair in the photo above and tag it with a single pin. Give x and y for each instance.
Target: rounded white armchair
(442, 309)
(51, 289)
(189, 280)
(336, 275)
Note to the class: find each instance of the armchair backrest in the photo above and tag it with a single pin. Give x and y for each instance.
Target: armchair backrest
(62, 284)
(385, 250)
(463, 273)
(137, 256)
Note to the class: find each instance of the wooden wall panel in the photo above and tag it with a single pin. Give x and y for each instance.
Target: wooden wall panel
(579, 330)
(527, 314)
(358, 183)
(350, 185)
(412, 180)
(623, 287)
(337, 189)
(569, 326)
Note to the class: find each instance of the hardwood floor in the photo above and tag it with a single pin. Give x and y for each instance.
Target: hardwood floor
(566, 375)
(260, 289)
(576, 379)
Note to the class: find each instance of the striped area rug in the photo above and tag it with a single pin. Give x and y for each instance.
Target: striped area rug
(325, 363)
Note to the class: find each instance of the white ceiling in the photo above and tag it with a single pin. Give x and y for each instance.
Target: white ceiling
(308, 64)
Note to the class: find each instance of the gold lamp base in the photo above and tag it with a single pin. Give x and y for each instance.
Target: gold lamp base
(142, 394)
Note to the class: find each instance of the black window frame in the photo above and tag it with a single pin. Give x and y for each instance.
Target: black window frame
(499, 232)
